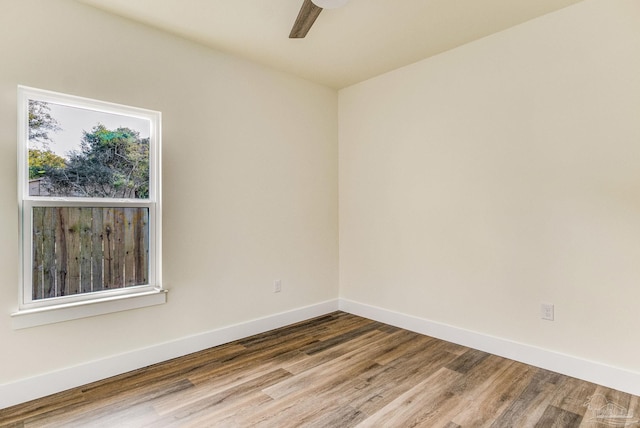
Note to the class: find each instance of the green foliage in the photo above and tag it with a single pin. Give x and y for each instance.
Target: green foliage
(42, 160)
(109, 164)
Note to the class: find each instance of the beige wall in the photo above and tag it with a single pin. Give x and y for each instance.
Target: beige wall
(265, 144)
(479, 183)
(473, 186)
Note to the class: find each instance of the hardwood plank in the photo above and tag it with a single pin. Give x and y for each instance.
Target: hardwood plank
(213, 387)
(351, 364)
(571, 394)
(319, 390)
(227, 416)
(415, 406)
(607, 407)
(467, 361)
(633, 412)
(247, 360)
(554, 417)
(468, 392)
(383, 386)
(126, 404)
(324, 406)
(530, 404)
(47, 406)
(408, 343)
(340, 339)
(494, 395)
(157, 375)
(320, 358)
(348, 364)
(206, 405)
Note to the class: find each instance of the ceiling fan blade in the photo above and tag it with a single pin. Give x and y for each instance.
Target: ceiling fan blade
(306, 17)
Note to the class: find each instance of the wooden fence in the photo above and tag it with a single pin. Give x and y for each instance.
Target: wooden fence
(81, 250)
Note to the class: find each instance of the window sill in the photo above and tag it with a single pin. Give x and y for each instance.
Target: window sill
(53, 314)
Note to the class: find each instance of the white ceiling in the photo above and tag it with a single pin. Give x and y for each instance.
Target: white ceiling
(361, 40)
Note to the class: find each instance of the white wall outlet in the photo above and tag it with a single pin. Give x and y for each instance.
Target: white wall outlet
(546, 311)
(277, 286)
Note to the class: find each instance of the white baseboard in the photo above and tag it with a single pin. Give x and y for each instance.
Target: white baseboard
(591, 371)
(50, 383)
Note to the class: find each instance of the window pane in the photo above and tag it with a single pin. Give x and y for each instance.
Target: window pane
(82, 249)
(77, 152)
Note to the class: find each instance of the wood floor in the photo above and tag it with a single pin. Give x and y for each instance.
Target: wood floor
(338, 370)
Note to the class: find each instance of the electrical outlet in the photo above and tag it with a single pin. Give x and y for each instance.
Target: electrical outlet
(277, 286)
(546, 311)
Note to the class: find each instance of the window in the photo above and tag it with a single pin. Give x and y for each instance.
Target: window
(89, 188)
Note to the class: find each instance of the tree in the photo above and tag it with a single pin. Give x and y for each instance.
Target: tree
(109, 164)
(41, 160)
(41, 122)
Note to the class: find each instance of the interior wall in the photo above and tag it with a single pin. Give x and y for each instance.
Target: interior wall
(479, 183)
(250, 179)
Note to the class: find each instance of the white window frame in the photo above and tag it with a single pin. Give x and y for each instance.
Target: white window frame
(44, 311)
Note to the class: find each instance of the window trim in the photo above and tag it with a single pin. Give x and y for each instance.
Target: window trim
(27, 318)
(101, 301)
